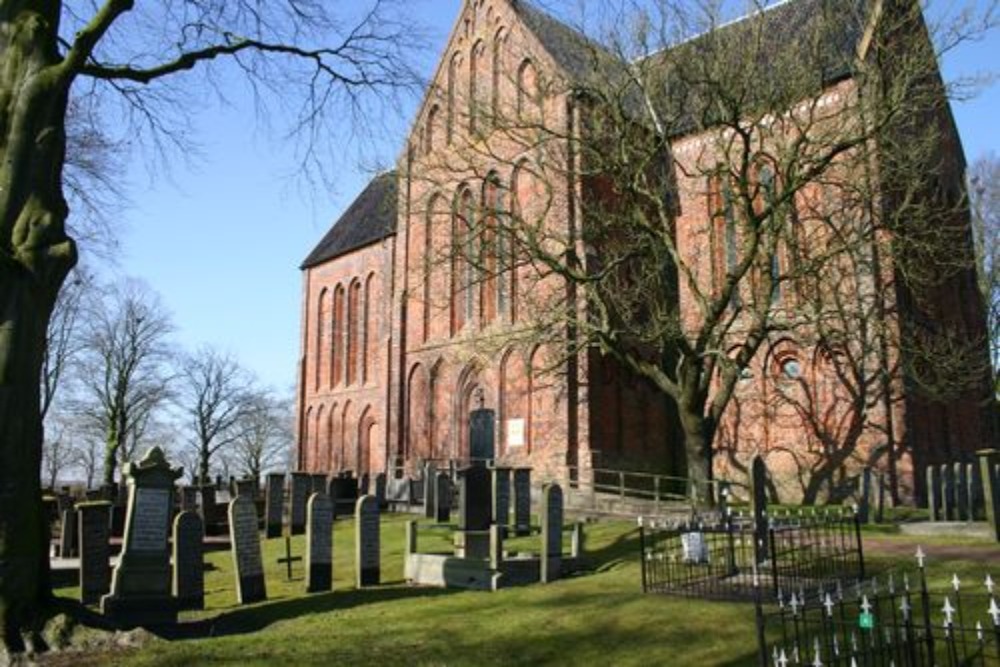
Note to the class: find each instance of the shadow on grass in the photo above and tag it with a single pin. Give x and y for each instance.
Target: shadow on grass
(257, 617)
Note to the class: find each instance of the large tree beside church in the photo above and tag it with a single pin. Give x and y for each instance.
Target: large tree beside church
(827, 164)
(132, 59)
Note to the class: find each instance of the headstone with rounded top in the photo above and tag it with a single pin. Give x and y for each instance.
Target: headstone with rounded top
(245, 541)
(95, 534)
(141, 583)
(367, 542)
(189, 567)
(319, 543)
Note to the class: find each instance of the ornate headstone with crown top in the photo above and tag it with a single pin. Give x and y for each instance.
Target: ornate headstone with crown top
(141, 584)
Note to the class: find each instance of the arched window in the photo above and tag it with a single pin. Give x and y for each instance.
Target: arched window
(317, 441)
(463, 261)
(368, 342)
(496, 71)
(432, 133)
(453, 68)
(322, 344)
(725, 238)
(768, 197)
(337, 360)
(528, 100)
(475, 90)
(493, 296)
(353, 332)
(436, 205)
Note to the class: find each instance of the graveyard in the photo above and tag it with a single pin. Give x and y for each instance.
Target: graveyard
(481, 567)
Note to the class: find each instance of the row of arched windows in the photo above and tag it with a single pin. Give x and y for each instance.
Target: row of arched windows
(337, 440)
(481, 259)
(486, 71)
(344, 334)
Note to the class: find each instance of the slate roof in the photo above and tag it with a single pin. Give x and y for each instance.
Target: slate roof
(571, 49)
(370, 218)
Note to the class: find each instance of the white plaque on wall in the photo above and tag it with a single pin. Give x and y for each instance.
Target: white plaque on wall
(515, 432)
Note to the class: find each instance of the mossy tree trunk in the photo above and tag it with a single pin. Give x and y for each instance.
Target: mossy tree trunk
(35, 256)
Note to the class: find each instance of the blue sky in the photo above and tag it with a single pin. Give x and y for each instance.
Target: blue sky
(221, 240)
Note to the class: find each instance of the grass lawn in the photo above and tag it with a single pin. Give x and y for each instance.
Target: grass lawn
(597, 619)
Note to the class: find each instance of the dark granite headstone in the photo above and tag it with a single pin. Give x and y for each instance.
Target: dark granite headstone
(301, 487)
(364, 482)
(245, 541)
(367, 542)
(380, 489)
(758, 501)
(318, 483)
(208, 511)
(522, 501)
(189, 566)
(247, 487)
(95, 533)
(552, 524)
(475, 506)
(274, 504)
(189, 499)
(319, 544)
(140, 587)
(865, 495)
(482, 424)
(67, 538)
(442, 498)
(501, 496)
(430, 489)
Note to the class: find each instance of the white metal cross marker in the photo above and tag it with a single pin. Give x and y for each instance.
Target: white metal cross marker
(865, 605)
(955, 582)
(948, 610)
(994, 612)
(828, 603)
(989, 584)
(904, 607)
(920, 557)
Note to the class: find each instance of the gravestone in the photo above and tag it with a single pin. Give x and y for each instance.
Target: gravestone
(988, 459)
(552, 524)
(367, 542)
(245, 541)
(189, 499)
(318, 483)
(501, 496)
(948, 492)
(475, 505)
(961, 492)
(140, 587)
(247, 487)
(758, 501)
(934, 493)
(577, 541)
(442, 498)
(364, 482)
(274, 501)
(189, 566)
(209, 514)
(976, 499)
(67, 538)
(319, 544)
(380, 489)
(430, 489)
(95, 533)
(301, 485)
(482, 423)
(522, 501)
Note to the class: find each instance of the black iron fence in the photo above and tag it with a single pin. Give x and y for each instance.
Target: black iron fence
(730, 558)
(896, 621)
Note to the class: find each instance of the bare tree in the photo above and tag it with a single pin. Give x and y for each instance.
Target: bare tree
(124, 376)
(116, 60)
(264, 434)
(677, 202)
(213, 390)
(58, 455)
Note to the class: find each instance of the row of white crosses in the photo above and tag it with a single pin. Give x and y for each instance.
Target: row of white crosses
(797, 602)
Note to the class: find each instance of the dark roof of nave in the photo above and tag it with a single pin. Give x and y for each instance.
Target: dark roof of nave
(370, 218)
(571, 49)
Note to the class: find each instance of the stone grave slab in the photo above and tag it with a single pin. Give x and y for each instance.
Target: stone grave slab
(552, 524)
(95, 552)
(274, 501)
(245, 540)
(301, 487)
(319, 544)
(189, 566)
(522, 501)
(367, 542)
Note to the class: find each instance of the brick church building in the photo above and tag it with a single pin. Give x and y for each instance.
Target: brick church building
(402, 335)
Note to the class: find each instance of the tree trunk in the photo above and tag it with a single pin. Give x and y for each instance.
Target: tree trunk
(203, 465)
(698, 436)
(35, 256)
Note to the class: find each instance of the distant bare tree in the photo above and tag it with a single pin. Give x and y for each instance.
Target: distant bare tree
(58, 455)
(124, 376)
(213, 388)
(264, 434)
(62, 340)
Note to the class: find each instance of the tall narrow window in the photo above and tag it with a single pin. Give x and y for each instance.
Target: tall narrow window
(496, 72)
(527, 92)
(462, 265)
(490, 251)
(428, 262)
(337, 360)
(456, 61)
(731, 235)
(769, 193)
(432, 134)
(475, 101)
(322, 345)
(353, 337)
(369, 336)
